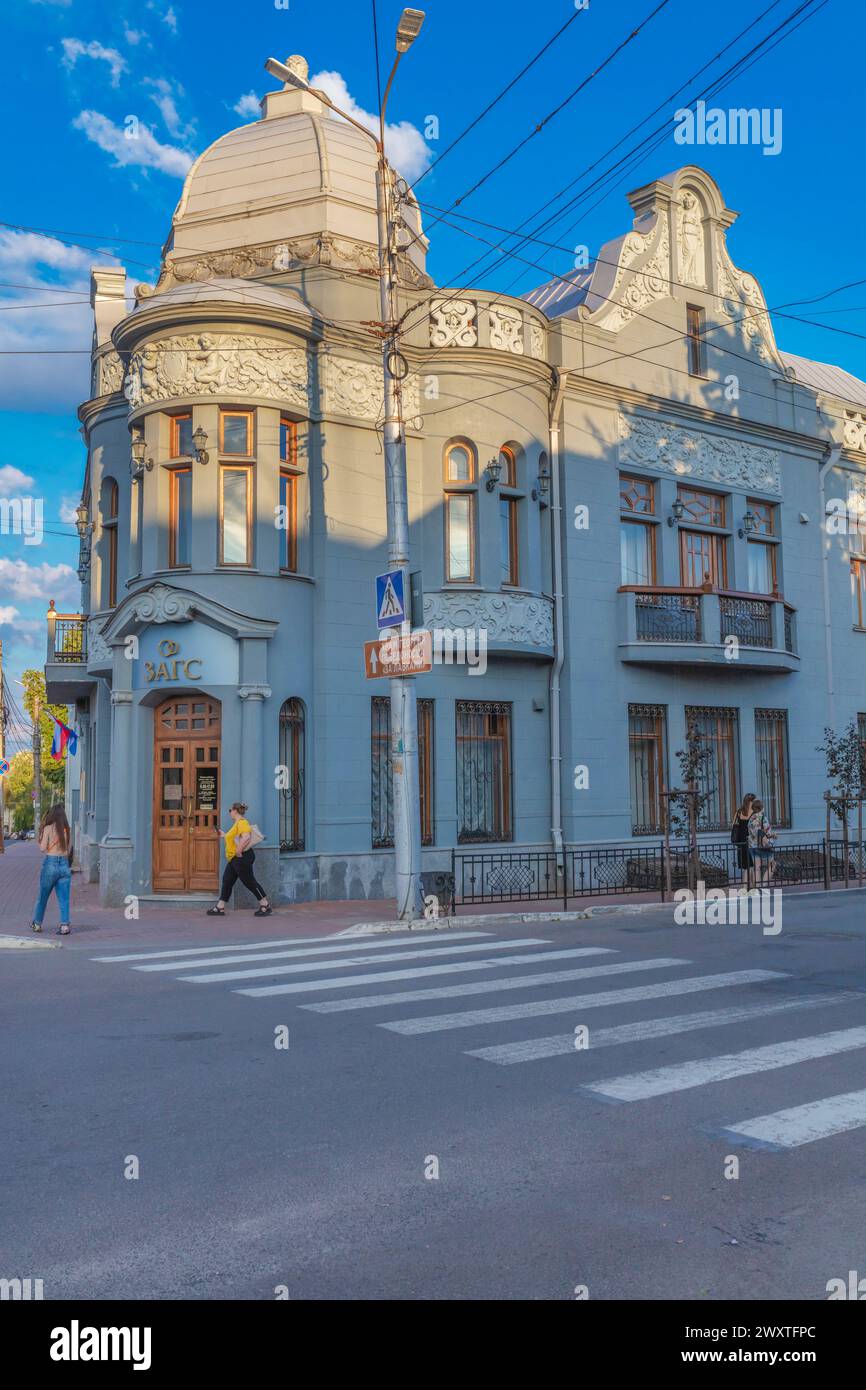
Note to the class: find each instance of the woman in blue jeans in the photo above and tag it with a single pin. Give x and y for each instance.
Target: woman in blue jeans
(55, 874)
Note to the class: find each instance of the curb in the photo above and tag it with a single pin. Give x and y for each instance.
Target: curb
(27, 943)
(516, 918)
(499, 919)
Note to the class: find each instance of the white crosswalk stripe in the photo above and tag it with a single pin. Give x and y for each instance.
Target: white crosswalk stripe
(682, 1076)
(550, 977)
(439, 1022)
(315, 943)
(562, 1044)
(803, 1124)
(421, 972)
(343, 962)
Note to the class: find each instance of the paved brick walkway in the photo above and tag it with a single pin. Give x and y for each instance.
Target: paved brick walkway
(92, 924)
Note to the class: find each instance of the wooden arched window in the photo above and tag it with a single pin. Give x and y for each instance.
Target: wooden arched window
(109, 552)
(459, 507)
(291, 776)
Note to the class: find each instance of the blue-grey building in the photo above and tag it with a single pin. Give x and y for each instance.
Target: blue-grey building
(630, 504)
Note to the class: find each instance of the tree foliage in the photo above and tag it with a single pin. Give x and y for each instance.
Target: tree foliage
(52, 772)
(844, 754)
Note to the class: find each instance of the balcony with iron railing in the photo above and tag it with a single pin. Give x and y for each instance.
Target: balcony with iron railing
(66, 675)
(663, 625)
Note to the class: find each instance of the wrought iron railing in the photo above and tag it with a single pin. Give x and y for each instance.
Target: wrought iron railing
(750, 620)
(668, 617)
(513, 876)
(70, 638)
(789, 629)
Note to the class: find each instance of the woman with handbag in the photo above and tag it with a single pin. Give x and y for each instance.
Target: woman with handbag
(55, 876)
(740, 836)
(761, 839)
(239, 862)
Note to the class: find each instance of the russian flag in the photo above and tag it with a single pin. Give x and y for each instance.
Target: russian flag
(64, 740)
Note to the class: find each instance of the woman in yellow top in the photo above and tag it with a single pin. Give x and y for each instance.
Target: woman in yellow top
(239, 864)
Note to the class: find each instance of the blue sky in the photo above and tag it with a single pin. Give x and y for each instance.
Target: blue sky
(76, 70)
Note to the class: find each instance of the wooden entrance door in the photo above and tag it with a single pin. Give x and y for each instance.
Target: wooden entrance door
(186, 790)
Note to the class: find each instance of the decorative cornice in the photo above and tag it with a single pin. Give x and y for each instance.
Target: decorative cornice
(159, 603)
(221, 365)
(525, 620)
(666, 447)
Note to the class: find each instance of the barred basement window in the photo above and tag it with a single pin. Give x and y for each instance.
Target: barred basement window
(381, 771)
(647, 756)
(292, 754)
(771, 747)
(483, 771)
(718, 730)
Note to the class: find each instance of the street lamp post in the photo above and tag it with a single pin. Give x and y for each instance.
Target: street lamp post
(404, 707)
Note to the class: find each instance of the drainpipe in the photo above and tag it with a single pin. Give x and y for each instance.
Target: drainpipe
(560, 381)
(834, 452)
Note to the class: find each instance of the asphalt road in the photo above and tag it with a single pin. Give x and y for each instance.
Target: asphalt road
(311, 1166)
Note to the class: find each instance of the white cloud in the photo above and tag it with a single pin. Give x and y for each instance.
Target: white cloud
(163, 96)
(45, 350)
(248, 106)
(8, 614)
(12, 481)
(404, 143)
(73, 49)
(144, 149)
(133, 36)
(22, 581)
(68, 510)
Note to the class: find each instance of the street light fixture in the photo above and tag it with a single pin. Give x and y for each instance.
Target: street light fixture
(199, 440)
(750, 524)
(404, 704)
(678, 511)
(493, 470)
(83, 523)
(138, 449)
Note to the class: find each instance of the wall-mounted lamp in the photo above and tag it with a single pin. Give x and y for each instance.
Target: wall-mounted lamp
(492, 473)
(83, 524)
(138, 462)
(199, 440)
(678, 511)
(750, 524)
(543, 480)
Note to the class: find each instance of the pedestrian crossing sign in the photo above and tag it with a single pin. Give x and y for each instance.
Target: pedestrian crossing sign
(390, 601)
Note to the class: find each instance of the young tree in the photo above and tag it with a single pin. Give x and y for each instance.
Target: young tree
(845, 769)
(53, 773)
(687, 802)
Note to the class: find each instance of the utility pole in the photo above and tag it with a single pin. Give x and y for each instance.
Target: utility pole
(404, 702)
(37, 766)
(2, 748)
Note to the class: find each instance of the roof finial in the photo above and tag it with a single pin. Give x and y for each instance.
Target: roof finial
(299, 66)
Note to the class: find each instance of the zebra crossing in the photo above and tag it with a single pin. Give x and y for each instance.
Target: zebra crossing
(341, 971)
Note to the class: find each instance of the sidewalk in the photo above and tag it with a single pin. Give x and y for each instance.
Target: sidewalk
(92, 924)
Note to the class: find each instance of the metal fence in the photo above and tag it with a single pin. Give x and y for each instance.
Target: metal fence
(515, 876)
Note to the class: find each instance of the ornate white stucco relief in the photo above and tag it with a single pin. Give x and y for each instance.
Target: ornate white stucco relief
(355, 389)
(647, 283)
(98, 651)
(519, 618)
(218, 364)
(744, 303)
(506, 330)
(854, 433)
(107, 374)
(690, 240)
(688, 453)
(536, 340)
(453, 323)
